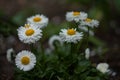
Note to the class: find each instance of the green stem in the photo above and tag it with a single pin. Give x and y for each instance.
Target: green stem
(41, 50)
(72, 48)
(78, 46)
(87, 37)
(32, 47)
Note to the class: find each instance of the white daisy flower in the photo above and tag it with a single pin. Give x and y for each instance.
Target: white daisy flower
(76, 16)
(39, 20)
(54, 38)
(103, 67)
(90, 22)
(9, 54)
(70, 35)
(25, 60)
(29, 33)
(87, 53)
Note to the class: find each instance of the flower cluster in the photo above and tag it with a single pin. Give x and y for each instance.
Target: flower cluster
(85, 24)
(30, 33)
(64, 57)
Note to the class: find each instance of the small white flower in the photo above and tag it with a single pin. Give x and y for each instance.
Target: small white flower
(114, 73)
(70, 35)
(90, 22)
(85, 29)
(87, 53)
(76, 16)
(38, 20)
(111, 72)
(103, 67)
(25, 60)
(29, 33)
(9, 54)
(54, 38)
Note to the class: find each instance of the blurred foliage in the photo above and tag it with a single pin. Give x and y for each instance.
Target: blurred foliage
(21, 16)
(61, 64)
(7, 27)
(53, 29)
(117, 5)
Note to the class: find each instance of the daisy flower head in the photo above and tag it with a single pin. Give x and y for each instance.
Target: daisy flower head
(70, 35)
(75, 16)
(39, 20)
(25, 60)
(29, 33)
(103, 67)
(90, 22)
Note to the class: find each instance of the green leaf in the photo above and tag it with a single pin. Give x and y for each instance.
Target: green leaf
(97, 42)
(82, 66)
(92, 78)
(117, 4)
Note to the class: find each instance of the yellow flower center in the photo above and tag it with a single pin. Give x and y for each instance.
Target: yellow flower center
(76, 13)
(25, 60)
(88, 20)
(29, 32)
(37, 19)
(27, 25)
(71, 32)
